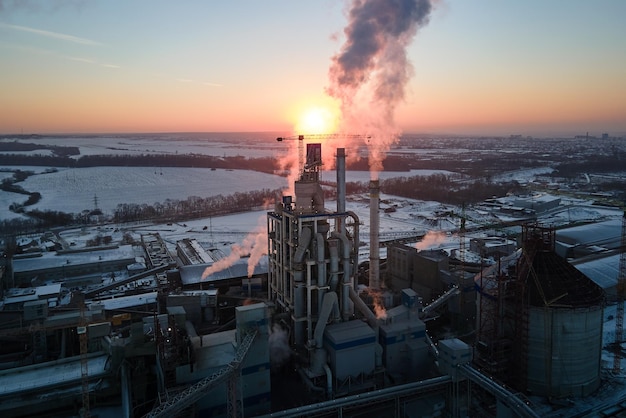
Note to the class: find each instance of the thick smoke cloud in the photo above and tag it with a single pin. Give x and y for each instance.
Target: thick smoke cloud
(370, 73)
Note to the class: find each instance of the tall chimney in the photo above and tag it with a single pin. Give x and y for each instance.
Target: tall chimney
(341, 186)
(374, 229)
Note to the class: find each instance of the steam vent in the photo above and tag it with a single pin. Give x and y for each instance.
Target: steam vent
(540, 321)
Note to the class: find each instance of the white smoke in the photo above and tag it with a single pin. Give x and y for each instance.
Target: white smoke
(431, 239)
(278, 342)
(253, 246)
(368, 76)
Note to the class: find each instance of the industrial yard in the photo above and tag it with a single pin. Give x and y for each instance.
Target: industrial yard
(359, 304)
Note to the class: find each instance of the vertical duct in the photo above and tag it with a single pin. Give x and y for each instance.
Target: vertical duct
(374, 227)
(341, 180)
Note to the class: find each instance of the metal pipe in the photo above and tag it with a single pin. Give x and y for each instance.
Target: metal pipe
(510, 399)
(433, 347)
(441, 299)
(303, 244)
(374, 274)
(329, 381)
(347, 274)
(321, 270)
(321, 263)
(361, 398)
(341, 187)
(308, 382)
(362, 307)
(127, 409)
(334, 263)
(330, 300)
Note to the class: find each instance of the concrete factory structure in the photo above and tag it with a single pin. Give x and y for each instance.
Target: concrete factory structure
(340, 345)
(417, 335)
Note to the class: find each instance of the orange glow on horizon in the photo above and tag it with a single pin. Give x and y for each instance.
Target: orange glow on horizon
(317, 120)
(314, 116)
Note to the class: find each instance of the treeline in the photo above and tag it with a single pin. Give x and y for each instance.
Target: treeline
(595, 164)
(38, 221)
(479, 166)
(442, 188)
(25, 146)
(170, 211)
(447, 188)
(262, 164)
(195, 207)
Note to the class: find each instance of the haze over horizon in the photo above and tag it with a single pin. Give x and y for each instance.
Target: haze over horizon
(492, 68)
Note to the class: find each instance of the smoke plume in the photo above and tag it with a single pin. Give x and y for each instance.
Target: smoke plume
(253, 246)
(431, 239)
(368, 76)
(278, 342)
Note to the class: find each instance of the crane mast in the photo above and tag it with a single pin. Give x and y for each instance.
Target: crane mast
(314, 137)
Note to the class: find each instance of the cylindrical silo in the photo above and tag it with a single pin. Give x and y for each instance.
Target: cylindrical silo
(564, 348)
(561, 344)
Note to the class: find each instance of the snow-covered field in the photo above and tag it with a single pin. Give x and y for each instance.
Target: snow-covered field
(74, 190)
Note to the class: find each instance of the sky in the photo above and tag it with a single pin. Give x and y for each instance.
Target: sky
(498, 67)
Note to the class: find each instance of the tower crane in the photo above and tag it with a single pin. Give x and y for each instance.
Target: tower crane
(300, 139)
(230, 372)
(621, 296)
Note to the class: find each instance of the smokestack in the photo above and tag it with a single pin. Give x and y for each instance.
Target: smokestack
(374, 229)
(341, 186)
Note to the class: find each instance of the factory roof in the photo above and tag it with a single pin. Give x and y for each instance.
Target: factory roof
(48, 375)
(535, 198)
(349, 333)
(602, 270)
(553, 281)
(21, 295)
(124, 302)
(50, 260)
(606, 234)
(192, 274)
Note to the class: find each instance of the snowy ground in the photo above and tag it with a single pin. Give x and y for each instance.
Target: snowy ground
(76, 189)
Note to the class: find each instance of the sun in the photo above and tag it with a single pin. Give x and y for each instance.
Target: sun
(317, 120)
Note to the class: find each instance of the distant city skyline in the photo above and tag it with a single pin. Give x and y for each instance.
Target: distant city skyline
(480, 67)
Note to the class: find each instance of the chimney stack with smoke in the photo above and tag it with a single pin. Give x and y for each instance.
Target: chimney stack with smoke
(374, 228)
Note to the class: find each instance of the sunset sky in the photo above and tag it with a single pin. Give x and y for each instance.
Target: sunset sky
(531, 67)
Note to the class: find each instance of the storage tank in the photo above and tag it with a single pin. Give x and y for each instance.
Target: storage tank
(562, 345)
(540, 321)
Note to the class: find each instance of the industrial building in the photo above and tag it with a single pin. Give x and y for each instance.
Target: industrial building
(81, 266)
(412, 335)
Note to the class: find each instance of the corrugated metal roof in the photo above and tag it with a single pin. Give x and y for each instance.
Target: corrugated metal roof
(52, 260)
(48, 375)
(605, 233)
(603, 270)
(128, 301)
(192, 274)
